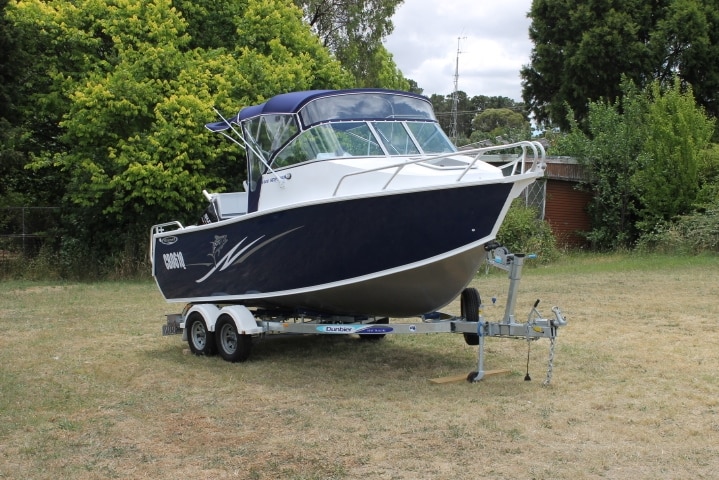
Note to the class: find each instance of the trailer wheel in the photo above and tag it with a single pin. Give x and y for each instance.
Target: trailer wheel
(231, 345)
(200, 339)
(469, 304)
(375, 337)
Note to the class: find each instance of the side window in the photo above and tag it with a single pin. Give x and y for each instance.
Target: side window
(317, 142)
(329, 141)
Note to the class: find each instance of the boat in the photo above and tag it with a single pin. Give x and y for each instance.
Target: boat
(356, 203)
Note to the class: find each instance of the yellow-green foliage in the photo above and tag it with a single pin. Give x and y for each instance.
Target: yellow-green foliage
(523, 232)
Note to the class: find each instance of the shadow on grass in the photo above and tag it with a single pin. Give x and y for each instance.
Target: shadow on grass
(426, 355)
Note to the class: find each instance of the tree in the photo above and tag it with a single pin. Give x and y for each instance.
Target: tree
(382, 72)
(353, 31)
(130, 97)
(496, 122)
(442, 105)
(482, 102)
(686, 44)
(210, 25)
(582, 50)
(677, 131)
(610, 152)
(642, 153)
(467, 111)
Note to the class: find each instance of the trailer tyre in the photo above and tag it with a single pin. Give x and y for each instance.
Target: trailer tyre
(200, 339)
(469, 304)
(232, 345)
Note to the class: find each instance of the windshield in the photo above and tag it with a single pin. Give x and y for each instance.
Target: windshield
(430, 137)
(346, 139)
(364, 139)
(395, 138)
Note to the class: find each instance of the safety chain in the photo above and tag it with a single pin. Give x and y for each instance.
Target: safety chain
(550, 365)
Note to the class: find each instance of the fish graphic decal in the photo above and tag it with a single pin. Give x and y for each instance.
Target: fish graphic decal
(236, 254)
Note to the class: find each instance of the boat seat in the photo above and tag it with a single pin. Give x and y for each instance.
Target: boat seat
(230, 205)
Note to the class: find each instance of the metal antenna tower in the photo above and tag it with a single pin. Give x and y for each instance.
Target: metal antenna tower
(455, 97)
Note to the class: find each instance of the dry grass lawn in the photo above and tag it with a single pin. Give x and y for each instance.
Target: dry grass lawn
(90, 389)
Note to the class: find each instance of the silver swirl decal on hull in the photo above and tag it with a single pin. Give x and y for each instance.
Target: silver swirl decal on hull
(234, 256)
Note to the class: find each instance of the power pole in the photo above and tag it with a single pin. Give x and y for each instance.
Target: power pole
(455, 98)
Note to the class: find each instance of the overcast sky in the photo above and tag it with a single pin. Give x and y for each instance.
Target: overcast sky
(494, 44)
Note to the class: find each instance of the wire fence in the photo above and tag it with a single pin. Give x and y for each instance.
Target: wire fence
(24, 230)
(535, 195)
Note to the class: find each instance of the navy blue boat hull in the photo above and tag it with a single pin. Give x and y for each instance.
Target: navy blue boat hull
(393, 254)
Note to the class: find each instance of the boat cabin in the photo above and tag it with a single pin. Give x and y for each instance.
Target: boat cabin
(296, 128)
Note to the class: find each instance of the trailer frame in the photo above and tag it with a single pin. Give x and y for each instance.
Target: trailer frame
(229, 329)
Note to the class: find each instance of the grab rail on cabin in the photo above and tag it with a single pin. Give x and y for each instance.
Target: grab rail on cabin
(520, 161)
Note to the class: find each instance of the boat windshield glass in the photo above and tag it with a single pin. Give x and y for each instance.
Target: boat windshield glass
(363, 139)
(329, 141)
(366, 106)
(395, 138)
(270, 132)
(430, 137)
(266, 133)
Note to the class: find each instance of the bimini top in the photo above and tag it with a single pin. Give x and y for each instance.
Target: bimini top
(317, 106)
(317, 125)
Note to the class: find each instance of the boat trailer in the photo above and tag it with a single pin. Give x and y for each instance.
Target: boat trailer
(229, 330)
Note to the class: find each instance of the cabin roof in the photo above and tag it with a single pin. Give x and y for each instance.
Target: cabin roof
(293, 102)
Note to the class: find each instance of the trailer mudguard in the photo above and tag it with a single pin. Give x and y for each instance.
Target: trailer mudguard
(209, 312)
(244, 320)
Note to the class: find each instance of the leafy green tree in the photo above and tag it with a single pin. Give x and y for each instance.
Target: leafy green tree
(413, 87)
(32, 100)
(442, 105)
(353, 31)
(210, 24)
(382, 72)
(128, 98)
(582, 50)
(610, 152)
(276, 53)
(482, 102)
(11, 159)
(499, 122)
(642, 153)
(469, 108)
(708, 177)
(677, 131)
(686, 44)
(8, 51)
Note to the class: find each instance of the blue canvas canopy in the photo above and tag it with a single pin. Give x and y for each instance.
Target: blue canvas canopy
(376, 104)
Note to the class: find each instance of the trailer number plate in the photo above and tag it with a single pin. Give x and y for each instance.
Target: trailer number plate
(171, 330)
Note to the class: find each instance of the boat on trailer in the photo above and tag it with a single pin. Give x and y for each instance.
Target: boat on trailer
(356, 208)
(356, 202)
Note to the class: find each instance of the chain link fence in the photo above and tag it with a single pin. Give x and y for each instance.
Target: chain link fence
(535, 195)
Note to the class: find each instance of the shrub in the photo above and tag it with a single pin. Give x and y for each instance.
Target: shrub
(694, 233)
(523, 232)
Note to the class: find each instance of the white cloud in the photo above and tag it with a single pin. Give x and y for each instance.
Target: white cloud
(494, 45)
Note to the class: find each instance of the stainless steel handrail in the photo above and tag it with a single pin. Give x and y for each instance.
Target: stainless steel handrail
(537, 150)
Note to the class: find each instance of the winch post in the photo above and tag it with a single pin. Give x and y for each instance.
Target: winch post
(514, 264)
(535, 327)
(480, 356)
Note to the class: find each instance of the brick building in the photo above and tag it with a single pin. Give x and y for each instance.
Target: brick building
(565, 206)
